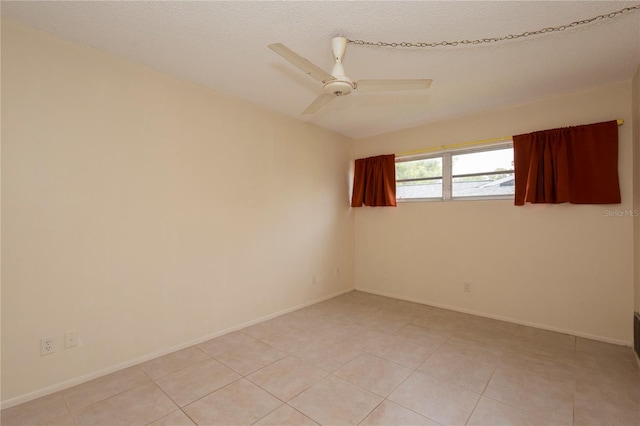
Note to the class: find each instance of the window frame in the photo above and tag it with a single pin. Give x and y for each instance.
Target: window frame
(447, 173)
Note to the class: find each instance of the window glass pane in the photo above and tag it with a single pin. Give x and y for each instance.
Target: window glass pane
(419, 189)
(428, 167)
(484, 185)
(484, 161)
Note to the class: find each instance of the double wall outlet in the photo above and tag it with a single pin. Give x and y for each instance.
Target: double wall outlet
(47, 345)
(467, 287)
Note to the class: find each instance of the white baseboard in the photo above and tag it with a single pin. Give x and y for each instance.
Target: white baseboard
(501, 318)
(96, 374)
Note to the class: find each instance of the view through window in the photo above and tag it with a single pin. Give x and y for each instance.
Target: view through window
(480, 173)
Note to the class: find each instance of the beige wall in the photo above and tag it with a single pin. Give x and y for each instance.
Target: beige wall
(562, 267)
(636, 185)
(148, 213)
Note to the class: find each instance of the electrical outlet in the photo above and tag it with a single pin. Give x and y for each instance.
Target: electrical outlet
(467, 287)
(47, 345)
(315, 280)
(71, 339)
(337, 272)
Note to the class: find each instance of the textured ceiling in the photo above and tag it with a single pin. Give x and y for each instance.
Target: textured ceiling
(223, 45)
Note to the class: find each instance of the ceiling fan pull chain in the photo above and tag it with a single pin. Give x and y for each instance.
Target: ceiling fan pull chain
(497, 39)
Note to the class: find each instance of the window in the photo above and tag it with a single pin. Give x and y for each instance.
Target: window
(480, 173)
(419, 178)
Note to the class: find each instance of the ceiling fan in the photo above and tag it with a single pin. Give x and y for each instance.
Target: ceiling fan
(337, 83)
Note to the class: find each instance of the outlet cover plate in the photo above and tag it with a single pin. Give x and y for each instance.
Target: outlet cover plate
(47, 345)
(71, 339)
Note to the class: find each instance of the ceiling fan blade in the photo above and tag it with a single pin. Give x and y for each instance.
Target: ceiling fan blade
(302, 63)
(318, 103)
(384, 85)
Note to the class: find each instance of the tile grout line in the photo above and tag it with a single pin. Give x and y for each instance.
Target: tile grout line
(414, 370)
(204, 396)
(110, 396)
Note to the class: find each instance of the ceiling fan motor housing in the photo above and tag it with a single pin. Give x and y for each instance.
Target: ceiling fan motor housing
(338, 87)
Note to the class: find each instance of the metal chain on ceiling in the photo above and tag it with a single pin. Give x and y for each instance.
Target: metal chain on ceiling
(497, 39)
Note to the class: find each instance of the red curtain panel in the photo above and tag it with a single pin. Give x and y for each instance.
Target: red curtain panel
(573, 164)
(374, 181)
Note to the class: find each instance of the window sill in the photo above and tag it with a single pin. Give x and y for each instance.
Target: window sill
(428, 200)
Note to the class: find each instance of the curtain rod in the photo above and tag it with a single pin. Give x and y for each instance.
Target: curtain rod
(463, 144)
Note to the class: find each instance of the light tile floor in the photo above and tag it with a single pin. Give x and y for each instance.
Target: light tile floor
(361, 359)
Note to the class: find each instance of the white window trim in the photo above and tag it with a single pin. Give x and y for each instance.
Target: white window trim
(447, 173)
